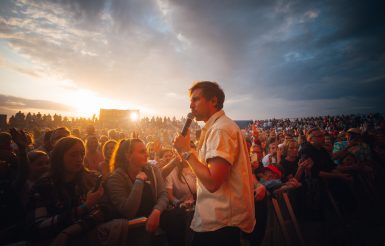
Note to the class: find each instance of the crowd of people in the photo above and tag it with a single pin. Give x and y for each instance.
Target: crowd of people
(332, 167)
(69, 182)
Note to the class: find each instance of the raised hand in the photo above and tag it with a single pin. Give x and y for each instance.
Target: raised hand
(19, 137)
(142, 176)
(182, 143)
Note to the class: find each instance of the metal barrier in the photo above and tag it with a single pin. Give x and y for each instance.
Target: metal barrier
(284, 214)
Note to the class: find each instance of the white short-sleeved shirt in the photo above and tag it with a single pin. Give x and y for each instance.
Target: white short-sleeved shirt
(266, 160)
(180, 189)
(233, 203)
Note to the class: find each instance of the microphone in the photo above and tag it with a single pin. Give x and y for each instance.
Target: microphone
(187, 124)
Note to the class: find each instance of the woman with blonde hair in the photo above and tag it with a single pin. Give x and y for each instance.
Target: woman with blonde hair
(136, 189)
(107, 151)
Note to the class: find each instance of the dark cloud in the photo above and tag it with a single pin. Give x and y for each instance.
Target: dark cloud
(351, 34)
(297, 51)
(356, 19)
(300, 68)
(17, 103)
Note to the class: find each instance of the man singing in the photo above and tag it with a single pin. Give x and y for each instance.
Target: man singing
(225, 202)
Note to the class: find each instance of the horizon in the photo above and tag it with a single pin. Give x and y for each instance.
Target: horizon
(140, 117)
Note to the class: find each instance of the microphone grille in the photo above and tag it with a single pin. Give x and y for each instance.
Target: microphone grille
(190, 116)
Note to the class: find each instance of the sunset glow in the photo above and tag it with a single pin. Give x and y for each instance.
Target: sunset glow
(273, 59)
(86, 103)
(134, 116)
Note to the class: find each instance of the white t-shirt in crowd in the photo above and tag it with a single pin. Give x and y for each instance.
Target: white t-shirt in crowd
(179, 188)
(266, 160)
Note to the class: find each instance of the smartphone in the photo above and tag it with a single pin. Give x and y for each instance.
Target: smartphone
(98, 183)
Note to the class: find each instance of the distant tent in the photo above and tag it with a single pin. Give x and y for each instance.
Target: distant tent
(116, 118)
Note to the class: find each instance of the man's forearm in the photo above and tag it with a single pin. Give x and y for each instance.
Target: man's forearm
(167, 169)
(202, 172)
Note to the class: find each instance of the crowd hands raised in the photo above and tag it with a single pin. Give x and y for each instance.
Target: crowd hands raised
(49, 172)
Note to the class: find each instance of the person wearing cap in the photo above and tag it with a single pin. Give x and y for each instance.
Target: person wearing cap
(270, 177)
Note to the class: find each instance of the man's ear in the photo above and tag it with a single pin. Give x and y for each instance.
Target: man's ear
(214, 100)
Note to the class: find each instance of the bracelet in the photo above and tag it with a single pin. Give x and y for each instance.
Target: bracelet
(186, 155)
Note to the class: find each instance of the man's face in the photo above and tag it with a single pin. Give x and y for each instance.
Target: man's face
(317, 138)
(200, 106)
(288, 138)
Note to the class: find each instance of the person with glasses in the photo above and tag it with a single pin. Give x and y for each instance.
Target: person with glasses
(320, 172)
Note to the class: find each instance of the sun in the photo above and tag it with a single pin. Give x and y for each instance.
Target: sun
(134, 116)
(86, 103)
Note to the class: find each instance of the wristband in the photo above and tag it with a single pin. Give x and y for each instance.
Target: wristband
(186, 155)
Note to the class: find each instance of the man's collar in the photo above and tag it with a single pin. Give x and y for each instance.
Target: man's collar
(213, 118)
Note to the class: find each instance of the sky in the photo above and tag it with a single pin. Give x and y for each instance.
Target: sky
(281, 59)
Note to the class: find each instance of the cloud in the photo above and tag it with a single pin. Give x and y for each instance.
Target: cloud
(237, 101)
(17, 103)
(27, 71)
(296, 51)
(48, 34)
(311, 14)
(176, 96)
